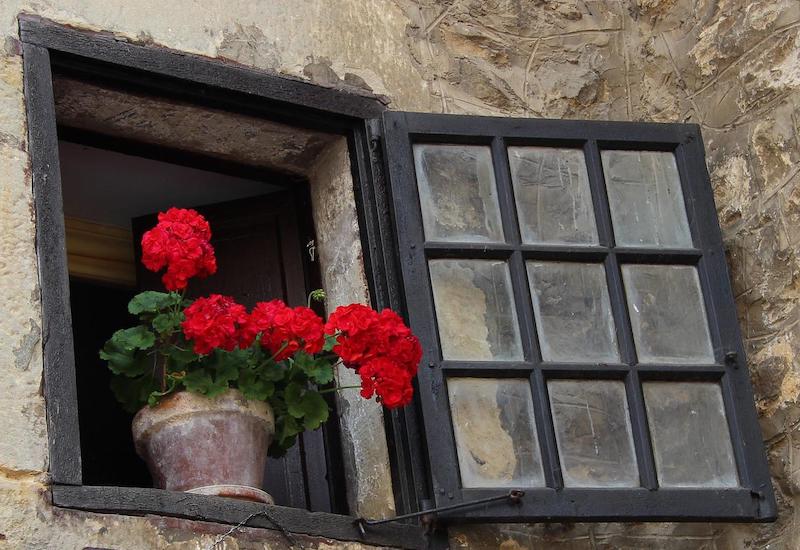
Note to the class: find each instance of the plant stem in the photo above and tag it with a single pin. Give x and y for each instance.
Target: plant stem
(337, 388)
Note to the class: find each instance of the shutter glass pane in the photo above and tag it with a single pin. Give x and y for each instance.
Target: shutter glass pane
(668, 316)
(457, 193)
(475, 310)
(691, 440)
(593, 432)
(495, 432)
(551, 189)
(644, 193)
(573, 312)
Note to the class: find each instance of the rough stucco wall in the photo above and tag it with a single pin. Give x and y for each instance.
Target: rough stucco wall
(733, 66)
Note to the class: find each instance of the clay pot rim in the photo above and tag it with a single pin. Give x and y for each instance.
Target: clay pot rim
(185, 404)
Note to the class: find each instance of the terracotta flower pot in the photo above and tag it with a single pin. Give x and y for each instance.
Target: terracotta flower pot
(215, 446)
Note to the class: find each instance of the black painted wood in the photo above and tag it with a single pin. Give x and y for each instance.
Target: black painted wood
(59, 357)
(134, 501)
(754, 500)
(195, 76)
(405, 439)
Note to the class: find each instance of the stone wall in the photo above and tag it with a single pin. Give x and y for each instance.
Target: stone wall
(732, 66)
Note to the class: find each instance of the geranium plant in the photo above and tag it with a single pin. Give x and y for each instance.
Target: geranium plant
(275, 353)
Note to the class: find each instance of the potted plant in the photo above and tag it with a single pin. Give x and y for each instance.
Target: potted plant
(216, 386)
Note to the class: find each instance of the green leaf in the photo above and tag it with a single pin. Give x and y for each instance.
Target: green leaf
(272, 371)
(168, 322)
(180, 356)
(122, 351)
(316, 410)
(253, 386)
(133, 393)
(306, 404)
(215, 377)
(120, 361)
(199, 381)
(330, 342)
(151, 301)
(286, 431)
(319, 371)
(130, 339)
(293, 394)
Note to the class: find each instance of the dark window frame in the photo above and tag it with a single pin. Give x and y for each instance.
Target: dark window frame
(754, 500)
(100, 56)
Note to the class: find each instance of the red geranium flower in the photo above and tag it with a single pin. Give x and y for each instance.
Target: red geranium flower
(389, 380)
(213, 322)
(180, 241)
(380, 347)
(284, 330)
(364, 334)
(357, 340)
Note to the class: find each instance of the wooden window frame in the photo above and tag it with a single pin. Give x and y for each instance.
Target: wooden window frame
(102, 57)
(754, 500)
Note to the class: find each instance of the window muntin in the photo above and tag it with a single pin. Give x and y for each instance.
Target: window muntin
(678, 194)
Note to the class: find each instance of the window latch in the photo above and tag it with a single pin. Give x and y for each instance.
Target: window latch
(514, 496)
(311, 248)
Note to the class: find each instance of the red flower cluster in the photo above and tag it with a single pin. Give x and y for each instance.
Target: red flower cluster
(380, 347)
(180, 241)
(214, 322)
(284, 330)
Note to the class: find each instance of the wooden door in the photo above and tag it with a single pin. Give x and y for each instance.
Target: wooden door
(260, 256)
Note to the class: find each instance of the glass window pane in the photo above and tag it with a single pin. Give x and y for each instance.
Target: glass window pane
(668, 316)
(573, 312)
(593, 433)
(475, 310)
(457, 193)
(495, 432)
(691, 440)
(551, 189)
(644, 193)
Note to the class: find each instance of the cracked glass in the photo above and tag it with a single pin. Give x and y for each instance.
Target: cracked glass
(691, 439)
(668, 316)
(593, 433)
(573, 312)
(475, 310)
(551, 191)
(495, 432)
(646, 200)
(457, 193)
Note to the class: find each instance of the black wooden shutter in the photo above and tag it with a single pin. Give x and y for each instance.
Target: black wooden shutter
(667, 367)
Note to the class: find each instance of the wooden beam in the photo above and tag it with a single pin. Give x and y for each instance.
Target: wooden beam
(129, 500)
(60, 390)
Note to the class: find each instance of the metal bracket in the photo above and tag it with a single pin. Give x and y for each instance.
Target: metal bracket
(515, 496)
(311, 248)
